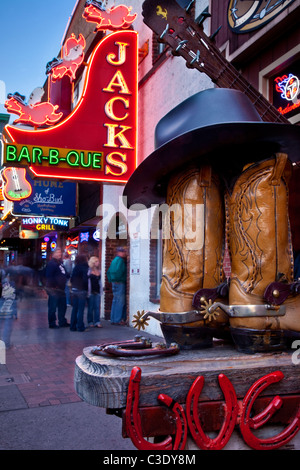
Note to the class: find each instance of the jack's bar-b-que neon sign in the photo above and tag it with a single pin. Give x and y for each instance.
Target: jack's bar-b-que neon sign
(97, 141)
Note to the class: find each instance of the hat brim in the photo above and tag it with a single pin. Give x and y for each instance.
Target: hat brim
(225, 144)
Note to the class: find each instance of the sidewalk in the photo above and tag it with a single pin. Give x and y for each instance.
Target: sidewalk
(39, 408)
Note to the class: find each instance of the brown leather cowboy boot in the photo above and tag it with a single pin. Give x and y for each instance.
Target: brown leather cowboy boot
(192, 256)
(265, 313)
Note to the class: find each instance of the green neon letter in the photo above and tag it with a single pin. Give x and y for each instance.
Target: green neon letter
(24, 154)
(37, 153)
(11, 153)
(82, 159)
(53, 157)
(97, 160)
(69, 155)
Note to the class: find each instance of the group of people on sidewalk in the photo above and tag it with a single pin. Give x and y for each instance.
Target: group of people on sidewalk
(81, 285)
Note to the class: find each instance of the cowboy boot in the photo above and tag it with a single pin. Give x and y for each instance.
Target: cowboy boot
(265, 313)
(192, 256)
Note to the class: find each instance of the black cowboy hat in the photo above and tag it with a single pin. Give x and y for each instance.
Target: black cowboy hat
(219, 126)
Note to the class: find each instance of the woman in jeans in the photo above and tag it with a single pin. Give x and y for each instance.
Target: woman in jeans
(94, 292)
(79, 282)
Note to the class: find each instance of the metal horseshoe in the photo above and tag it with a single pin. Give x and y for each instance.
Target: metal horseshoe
(133, 419)
(180, 420)
(247, 422)
(231, 412)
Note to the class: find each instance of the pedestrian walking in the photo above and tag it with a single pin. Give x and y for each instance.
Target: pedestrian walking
(79, 283)
(8, 307)
(56, 279)
(68, 267)
(94, 292)
(117, 275)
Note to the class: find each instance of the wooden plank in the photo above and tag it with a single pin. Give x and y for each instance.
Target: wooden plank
(103, 381)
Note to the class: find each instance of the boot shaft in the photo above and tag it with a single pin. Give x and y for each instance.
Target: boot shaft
(194, 244)
(258, 227)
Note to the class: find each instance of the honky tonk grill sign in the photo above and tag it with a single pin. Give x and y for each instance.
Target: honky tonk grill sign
(97, 141)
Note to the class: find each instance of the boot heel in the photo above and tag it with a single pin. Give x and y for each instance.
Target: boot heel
(187, 337)
(250, 341)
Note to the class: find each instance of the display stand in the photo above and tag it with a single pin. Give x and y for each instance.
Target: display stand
(194, 392)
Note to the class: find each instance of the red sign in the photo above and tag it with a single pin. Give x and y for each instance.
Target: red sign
(97, 141)
(117, 17)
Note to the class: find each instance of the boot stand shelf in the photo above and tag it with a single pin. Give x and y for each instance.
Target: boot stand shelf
(249, 401)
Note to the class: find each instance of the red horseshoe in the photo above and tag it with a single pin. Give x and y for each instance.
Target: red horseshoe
(133, 419)
(231, 412)
(247, 423)
(180, 420)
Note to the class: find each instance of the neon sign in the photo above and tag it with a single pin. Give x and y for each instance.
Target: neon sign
(84, 237)
(16, 186)
(288, 86)
(45, 223)
(117, 17)
(101, 131)
(44, 249)
(72, 243)
(97, 235)
(72, 58)
(37, 115)
(65, 158)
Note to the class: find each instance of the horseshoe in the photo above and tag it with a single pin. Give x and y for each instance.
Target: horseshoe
(231, 412)
(133, 419)
(138, 343)
(247, 422)
(156, 351)
(180, 420)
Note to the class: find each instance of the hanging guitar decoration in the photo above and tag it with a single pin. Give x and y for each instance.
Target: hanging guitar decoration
(16, 186)
(176, 27)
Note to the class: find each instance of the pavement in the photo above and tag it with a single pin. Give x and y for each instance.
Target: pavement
(39, 408)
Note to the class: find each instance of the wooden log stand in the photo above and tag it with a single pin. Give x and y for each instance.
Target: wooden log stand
(162, 396)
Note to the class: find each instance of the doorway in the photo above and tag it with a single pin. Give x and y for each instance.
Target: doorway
(117, 236)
